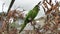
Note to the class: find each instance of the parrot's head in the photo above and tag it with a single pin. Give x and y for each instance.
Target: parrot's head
(36, 8)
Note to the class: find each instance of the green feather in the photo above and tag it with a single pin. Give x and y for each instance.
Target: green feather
(31, 15)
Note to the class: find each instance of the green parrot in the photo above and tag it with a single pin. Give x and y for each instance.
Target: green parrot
(30, 16)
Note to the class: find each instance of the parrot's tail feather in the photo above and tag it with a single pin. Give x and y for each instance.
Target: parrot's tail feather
(23, 26)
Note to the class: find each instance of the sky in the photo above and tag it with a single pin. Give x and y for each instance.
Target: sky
(19, 3)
